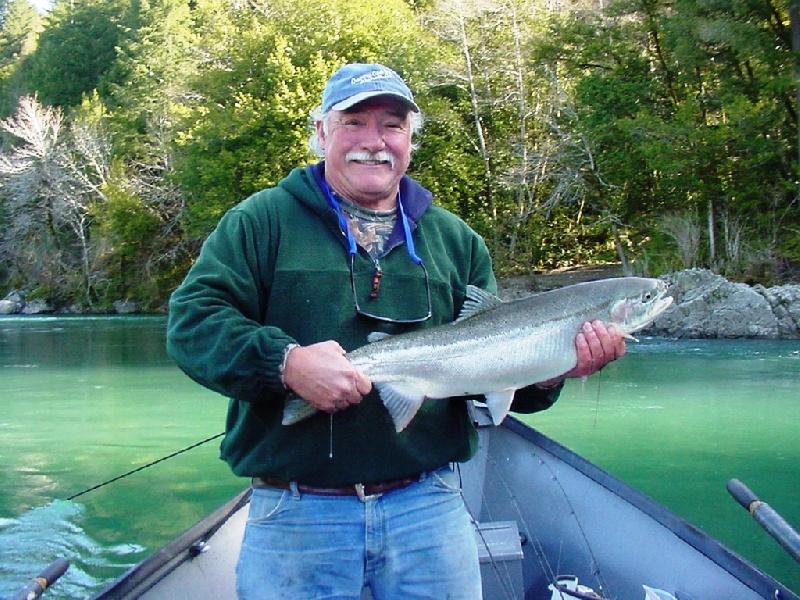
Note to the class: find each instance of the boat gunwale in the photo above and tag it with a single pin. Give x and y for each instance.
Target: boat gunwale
(146, 574)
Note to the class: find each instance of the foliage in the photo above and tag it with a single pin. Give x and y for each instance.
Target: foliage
(18, 38)
(248, 125)
(657, 133)
(77, 47)
(703, 121)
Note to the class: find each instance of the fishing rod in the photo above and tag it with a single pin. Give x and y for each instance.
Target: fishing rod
(767, 517)
(148, 465)
(38, 585)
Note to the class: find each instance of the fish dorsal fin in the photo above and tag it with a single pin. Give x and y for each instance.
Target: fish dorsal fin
(477, 301)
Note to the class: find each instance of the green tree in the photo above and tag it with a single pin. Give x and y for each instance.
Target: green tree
(21, 24)
(76, 49)
(519, 124)
(248, 124)
(18, 28)
(701, 122)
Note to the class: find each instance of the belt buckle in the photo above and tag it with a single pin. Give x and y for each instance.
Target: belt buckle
(365, 497)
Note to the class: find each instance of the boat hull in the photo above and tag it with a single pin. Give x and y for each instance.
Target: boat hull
(543, 511)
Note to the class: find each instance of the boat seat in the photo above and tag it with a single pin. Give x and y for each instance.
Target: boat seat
(500, 555)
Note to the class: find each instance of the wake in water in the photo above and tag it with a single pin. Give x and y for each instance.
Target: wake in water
(41, 535)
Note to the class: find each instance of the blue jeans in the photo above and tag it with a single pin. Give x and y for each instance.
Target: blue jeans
(412, 543)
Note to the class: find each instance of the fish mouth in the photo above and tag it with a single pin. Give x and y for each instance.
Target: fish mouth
(664, 299)
(661, 302)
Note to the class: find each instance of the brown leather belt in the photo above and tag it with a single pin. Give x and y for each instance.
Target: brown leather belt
(365, 491)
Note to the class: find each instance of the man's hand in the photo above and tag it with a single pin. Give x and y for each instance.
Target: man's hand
(321, 375)
(597, 345)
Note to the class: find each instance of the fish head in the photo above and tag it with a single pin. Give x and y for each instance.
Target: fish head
(640, 301)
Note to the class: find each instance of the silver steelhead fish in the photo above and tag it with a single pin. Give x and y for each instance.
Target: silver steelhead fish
(495, 348)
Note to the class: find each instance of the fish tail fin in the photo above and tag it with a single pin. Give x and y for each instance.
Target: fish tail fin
(499, 403)
(296, 409)
(402, 406)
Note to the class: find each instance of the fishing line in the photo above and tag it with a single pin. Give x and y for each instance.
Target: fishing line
(143, 467)
(601, 579)
(597, 398)
(330, 439)
(505, 581)
(544, 563)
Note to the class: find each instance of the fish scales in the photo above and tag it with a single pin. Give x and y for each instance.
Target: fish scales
(496, 347)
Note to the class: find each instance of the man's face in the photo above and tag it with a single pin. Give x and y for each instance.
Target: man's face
(367, 151)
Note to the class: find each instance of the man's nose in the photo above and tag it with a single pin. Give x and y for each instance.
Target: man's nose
(373, 138)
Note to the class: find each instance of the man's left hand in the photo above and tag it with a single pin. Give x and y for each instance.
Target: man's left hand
(597, 345)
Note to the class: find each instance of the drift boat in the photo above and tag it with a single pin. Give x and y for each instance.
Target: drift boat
(550, 525)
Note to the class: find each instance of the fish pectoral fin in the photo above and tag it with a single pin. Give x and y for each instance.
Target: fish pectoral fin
(401, 404)
(296, 409)
(499, 403)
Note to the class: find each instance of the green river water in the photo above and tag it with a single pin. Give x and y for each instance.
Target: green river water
(85, 399)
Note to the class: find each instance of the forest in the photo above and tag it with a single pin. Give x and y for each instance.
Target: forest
(659, 134)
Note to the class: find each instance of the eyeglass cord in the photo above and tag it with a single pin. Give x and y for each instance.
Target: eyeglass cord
(351, 242)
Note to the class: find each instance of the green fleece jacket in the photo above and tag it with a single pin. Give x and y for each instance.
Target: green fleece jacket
(276, 271)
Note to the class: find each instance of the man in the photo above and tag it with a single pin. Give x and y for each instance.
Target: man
(292, 279)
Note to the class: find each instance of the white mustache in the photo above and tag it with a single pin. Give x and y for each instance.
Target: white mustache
(381, 156)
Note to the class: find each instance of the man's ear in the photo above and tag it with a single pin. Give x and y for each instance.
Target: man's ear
(321, 137)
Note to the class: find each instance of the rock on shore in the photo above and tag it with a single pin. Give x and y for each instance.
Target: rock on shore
(709, 306)
(706, 305)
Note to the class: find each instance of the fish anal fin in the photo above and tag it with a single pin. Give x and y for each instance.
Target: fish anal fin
(499, 403)
(402, 404)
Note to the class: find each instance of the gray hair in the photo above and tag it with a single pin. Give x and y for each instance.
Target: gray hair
(415, 121)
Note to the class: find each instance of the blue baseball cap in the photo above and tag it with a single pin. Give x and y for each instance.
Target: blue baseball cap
(356, 82)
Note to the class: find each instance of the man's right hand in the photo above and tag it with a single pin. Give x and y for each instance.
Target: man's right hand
(322, 375)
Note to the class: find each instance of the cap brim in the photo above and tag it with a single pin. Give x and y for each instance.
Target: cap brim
(361, 96)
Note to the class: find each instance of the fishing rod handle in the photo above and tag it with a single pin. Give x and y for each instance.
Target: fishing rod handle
(766, 516)
(743, 495)
(37, 586)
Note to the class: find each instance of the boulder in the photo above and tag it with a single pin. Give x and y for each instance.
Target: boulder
(126, 307)
(37, 306)
(709, 306)
(7, 307)
(785, 303)
(12, 304)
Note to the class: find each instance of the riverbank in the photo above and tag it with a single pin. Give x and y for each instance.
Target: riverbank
(706, 305)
